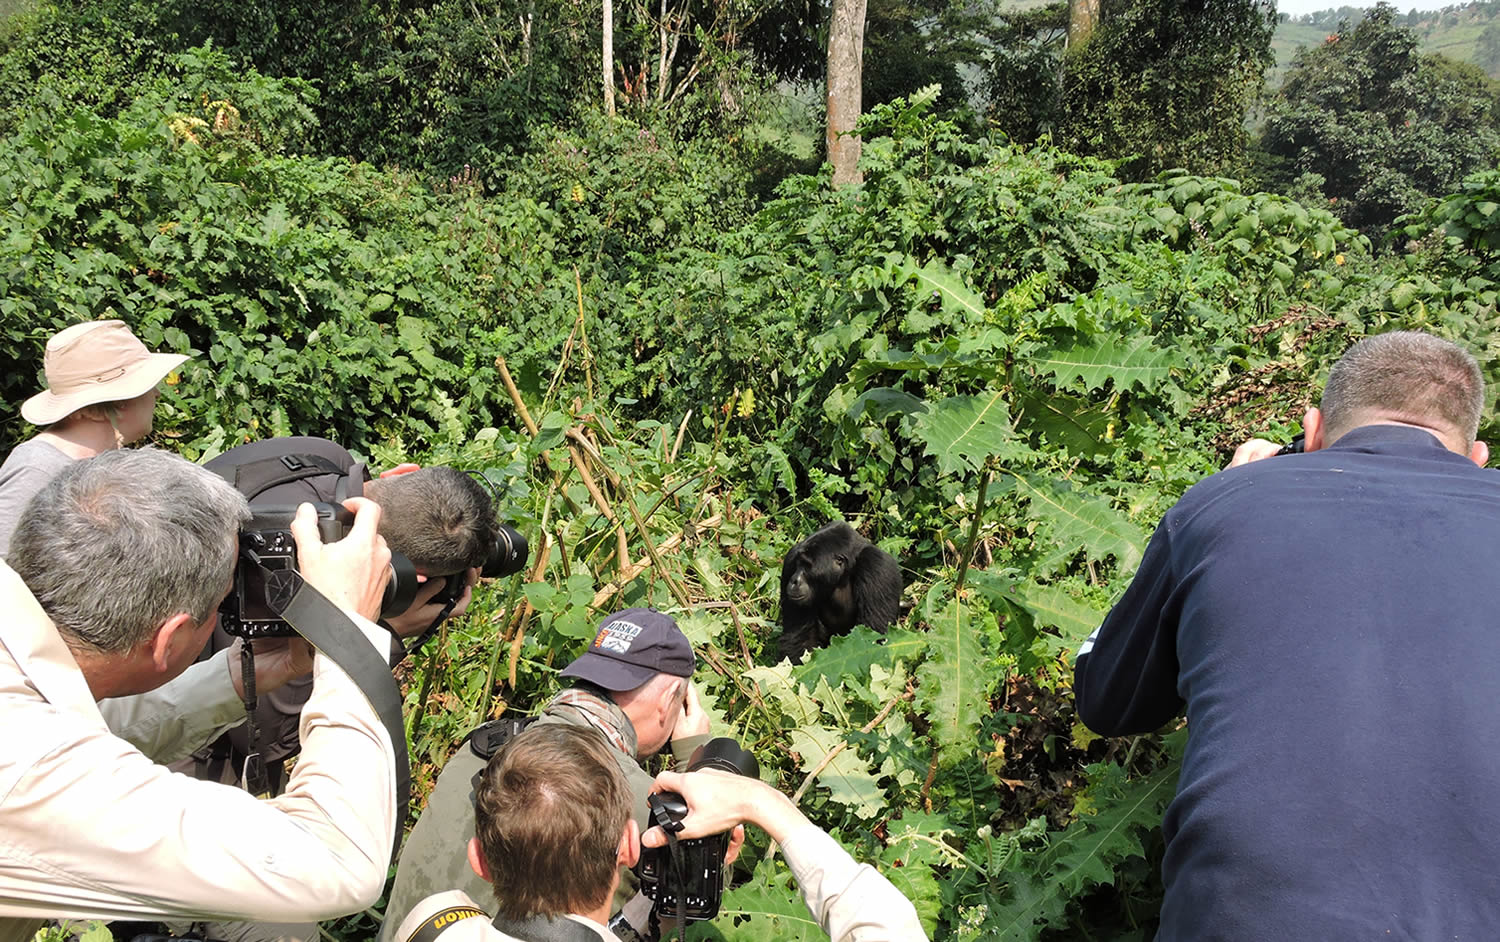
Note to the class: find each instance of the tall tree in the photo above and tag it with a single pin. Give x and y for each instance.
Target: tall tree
(607, 56)
(846, 51)
(1083, 16)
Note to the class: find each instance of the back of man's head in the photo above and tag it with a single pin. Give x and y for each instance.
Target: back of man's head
(117, 544)
(1409, 377)
(550, 810)
(440, 518)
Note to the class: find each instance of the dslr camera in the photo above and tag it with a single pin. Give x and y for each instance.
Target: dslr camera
(690, 873)
(506, 557)
(267, 550)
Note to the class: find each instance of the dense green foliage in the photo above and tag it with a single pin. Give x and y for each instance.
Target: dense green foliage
(1375, 127)
(1168, 83)
(1002, 360)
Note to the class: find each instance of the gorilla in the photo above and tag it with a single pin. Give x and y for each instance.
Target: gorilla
(832, 581)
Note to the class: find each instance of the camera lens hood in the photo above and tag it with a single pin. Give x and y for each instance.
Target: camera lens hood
(401, 589)
(726, 755)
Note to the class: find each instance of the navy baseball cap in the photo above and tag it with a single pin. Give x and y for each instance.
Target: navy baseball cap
(631, 647)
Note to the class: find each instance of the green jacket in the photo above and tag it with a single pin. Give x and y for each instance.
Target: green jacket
(434, 858)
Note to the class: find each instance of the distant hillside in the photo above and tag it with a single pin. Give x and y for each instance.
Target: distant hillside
(1453, 32)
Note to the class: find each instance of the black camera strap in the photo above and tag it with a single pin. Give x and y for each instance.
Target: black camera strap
(679, 873)
(336, 637)
(546, 929)
(253, 775)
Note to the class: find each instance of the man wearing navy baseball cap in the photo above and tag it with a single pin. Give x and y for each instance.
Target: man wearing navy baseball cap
(633, 686)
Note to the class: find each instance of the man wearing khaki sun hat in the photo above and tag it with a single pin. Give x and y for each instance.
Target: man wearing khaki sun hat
(100, 395)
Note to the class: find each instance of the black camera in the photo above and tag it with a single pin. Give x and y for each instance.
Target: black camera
(506, 557)
(691, 873)
(267, 550)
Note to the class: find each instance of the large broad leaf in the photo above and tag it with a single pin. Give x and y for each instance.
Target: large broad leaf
(919, 846)
(768, 906)
(1129, 363)
(854, 654)
(1053, 607)
(1079, 522)
(1087, 853)
(847, 777)
(939, 281)
(1073, 422)
(883, 402)
(776, 683)
(953, 683)
(963, 432)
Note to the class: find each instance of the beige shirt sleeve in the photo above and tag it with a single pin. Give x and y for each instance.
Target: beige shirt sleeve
(180, 716)
(93, 828)
(852, 901)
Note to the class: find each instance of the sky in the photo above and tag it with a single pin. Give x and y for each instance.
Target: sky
(1299, 7)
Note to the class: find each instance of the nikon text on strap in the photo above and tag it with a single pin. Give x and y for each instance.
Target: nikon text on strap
(329, 630)
(433, 927)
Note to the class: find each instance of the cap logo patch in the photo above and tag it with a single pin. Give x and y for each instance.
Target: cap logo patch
(617, 636)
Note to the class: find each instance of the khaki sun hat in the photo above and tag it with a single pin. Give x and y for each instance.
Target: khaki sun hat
(95, 362)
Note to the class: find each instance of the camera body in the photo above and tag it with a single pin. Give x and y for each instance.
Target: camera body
(698, 884)
(267, 550)
(506, 557)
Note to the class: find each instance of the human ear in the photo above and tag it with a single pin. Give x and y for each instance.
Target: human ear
(629, 852)
(1312, 429)
(1480, 453)
(175, 633)
(476, 861)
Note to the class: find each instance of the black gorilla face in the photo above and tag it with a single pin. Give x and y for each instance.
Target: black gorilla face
(832, 581)
(815, 573)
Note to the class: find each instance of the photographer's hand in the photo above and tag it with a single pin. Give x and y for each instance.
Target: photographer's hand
(717, 801)
(1255, 449)
(423, 611)
(353, 572)
(691, 718)
(278, 661)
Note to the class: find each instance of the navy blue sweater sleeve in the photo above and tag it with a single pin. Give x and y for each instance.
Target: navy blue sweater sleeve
(1125, 680)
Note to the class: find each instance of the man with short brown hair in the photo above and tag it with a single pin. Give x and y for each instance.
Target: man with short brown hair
(633, 686)
(553, 824)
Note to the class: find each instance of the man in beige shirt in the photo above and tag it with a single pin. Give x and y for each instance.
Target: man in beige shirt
(119, 568)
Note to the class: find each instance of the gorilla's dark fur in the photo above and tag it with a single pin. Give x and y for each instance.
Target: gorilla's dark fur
(832, 581)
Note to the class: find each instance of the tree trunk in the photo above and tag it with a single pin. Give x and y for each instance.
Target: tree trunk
(1083, 17)
(846, 48)
(608, 57)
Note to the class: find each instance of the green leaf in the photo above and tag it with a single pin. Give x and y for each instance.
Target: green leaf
(1079, 522)
(953, 683)
(768, 906)
(1053, 607)
(846, 776)
(1104, 359)
(937, 279)
(776, 683)
(1088, 852)
(883, 402)
(854, 654)
(1070, 421)
(963, 432)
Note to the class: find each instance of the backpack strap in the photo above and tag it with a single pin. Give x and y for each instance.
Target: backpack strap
(254, 477)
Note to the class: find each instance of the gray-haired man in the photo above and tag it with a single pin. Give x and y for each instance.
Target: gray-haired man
(120, 563)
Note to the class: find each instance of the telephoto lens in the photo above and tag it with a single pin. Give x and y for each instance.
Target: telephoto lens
(508, 555)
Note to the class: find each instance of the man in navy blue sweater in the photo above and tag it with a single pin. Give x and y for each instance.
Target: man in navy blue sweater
(1331, 622)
